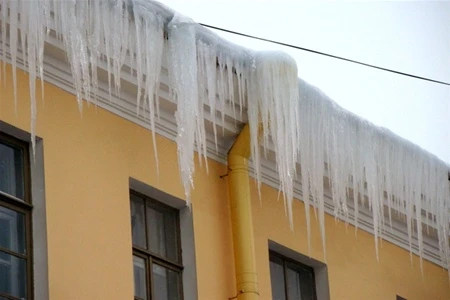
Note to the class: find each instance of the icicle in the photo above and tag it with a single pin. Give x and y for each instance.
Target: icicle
(94, 42)
(221, 88)
(275, 99)
(4, 17)
(13, 41)
(207, 80)
(149, 45)
(32, 45)
(183, 77)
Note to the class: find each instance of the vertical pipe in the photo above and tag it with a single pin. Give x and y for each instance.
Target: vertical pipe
(241, 217)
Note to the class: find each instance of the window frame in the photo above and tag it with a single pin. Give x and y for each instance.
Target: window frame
(150, 257)
(286, 261)
(23, 206)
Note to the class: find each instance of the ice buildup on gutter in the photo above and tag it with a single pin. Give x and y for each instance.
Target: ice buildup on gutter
(373, 167)
(363, 166)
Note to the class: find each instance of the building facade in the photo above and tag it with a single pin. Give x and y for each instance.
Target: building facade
(85, 213)
(88, 166)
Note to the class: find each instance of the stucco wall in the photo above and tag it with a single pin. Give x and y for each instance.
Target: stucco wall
(89, 159)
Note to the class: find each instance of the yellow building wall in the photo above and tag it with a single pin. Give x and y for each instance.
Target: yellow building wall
(89, 159)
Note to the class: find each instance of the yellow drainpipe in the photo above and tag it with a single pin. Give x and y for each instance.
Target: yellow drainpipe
(241, 217)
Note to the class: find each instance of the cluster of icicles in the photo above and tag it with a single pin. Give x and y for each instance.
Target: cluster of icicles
(314, 140)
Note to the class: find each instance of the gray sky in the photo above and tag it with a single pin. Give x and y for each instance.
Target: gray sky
(411, 37)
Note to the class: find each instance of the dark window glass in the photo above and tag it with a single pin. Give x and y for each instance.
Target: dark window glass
(166, 283)
(11, 170)
(162, 231)
(15, 220)
(300, 281)
(156, 247)
(140, 277)
(277, 278)
(291, 280)
(12, 230)
(13, 274)
(138, 222)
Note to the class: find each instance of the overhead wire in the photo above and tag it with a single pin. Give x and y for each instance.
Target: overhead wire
(327, 55)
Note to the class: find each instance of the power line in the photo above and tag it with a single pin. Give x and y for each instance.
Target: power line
(326, 54)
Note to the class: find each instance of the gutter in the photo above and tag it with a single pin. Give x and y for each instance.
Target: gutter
(241, 217)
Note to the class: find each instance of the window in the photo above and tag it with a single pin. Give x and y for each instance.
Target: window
(15, 220)
(291, 280)
(157, 265)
